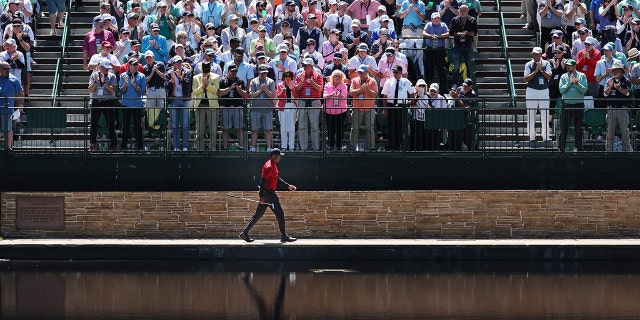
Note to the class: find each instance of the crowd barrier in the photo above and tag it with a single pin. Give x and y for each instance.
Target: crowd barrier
(66, 127)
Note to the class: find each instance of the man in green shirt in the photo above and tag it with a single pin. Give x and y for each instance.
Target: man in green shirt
(165, 21)
(573, 86)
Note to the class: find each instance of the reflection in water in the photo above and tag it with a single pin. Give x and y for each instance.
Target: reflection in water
(153, 292)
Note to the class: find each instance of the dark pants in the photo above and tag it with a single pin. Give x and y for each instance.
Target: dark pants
(335, 130)
(436, 62)
(395, 126)
(575, 111)
(103, 107)
(434, 138)
(269, 197)
(137, 126)
(418, 138)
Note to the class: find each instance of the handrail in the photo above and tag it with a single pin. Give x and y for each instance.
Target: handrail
(505, 54)
(57, 79)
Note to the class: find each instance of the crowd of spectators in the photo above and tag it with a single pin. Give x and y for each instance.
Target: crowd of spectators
(295, 63)
(603, 51)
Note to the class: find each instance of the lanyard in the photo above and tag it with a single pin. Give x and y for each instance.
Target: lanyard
(366, 8)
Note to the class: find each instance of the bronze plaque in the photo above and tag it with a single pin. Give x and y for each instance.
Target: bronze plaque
(40, 213)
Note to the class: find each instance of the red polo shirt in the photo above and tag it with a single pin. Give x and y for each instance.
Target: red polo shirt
(270, 173)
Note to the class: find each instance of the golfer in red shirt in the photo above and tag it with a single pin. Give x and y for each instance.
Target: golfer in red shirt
(268, 182)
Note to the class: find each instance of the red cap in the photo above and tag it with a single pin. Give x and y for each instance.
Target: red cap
(105, 44)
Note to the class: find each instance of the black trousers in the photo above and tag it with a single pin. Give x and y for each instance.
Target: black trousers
(418, 137)
(270, 197)
(575, 111)
(103, 107)
(335, 130)
(396, 124)
(137, 126)
(436, 62)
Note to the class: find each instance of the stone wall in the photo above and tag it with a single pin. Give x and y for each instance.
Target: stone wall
(348, 214)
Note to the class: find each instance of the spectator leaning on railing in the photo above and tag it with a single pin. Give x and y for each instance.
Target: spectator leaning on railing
(133, 85)
(363, 90)
(616, 93)
(205, 102)
(573, 86)
(178, 83)
(102, 90)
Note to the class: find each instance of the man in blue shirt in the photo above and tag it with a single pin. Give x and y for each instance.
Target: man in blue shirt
(9, 88)
(412, 15)
(133, 85)
(211, 12)
(435, 34)
(155, 42)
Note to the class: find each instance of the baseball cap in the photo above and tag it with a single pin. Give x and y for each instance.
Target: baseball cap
(337, 55)
(467, 82)
(285, 22)
(97, 19)
(234, 39)
(179, 45)
(434, 87)
(363, 68)
(383, 8)
(124, 30)
(307, 62)
(155, 26)
(135, 42)
(176, 59)
(617, 65)
(581, 21)
(588, 41)
(209, 51)
(10, 41)
(355, 22)
(421, 82)
(232, 67)
(311, 41)
(570, 62)
(536, 50)
(397, 67)
(311, 16)
(607, 47)
(335, 31)
(291, 3)
(105, 63)
(283, 48)
(363, 47)
(254, 19)
(262, 28)
(233, 17)
(583, 30)
(263, 68)
(239, 50)
(133, 61)
(557, 35)
(384, 18)
(148, 53)
(260, 54)
(162, 4)
(435, 15)
(104, 44)
(132, 15)
(635, 21)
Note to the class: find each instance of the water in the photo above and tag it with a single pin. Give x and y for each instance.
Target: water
(209, 290)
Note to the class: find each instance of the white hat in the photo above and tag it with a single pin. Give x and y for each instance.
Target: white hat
(434, 87)
(307, 62)
(105, 63)
(10, 41)
(536, 50)
(149, 53)
(421, 82)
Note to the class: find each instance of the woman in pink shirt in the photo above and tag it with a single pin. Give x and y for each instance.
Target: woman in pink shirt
(287, 108)
(335, 93)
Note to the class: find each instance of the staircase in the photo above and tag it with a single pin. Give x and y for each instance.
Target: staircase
(503, 126)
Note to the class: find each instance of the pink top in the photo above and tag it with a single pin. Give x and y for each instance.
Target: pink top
(361, 9)
(329, 49)
(336, 106)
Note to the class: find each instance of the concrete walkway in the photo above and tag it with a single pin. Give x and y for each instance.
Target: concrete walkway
(322, 249)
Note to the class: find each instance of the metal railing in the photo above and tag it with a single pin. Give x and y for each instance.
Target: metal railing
(474, 130)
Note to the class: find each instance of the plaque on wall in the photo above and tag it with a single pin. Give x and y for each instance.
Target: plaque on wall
(40, 213)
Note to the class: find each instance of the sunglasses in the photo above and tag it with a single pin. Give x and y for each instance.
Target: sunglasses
(396, 71)
(211, 28)
(588, 44)
(3, 68)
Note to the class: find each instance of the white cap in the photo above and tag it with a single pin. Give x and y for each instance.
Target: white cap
(434, 87)
(105, 63)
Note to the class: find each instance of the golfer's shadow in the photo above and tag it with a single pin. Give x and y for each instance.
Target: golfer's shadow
(275, 312)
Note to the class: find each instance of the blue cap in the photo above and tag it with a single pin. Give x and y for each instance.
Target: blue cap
(363, 68)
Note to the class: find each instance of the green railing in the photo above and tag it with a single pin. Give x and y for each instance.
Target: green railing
(64, 53)
(505, 55)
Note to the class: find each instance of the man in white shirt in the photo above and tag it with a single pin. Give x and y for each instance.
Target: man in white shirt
(396, 92)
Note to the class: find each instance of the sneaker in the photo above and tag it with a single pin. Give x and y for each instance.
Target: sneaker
(268, 149)
(52, 32)
(176, 149)
(252, 149)
(523, 16)
(185, 149)
(91, 148)
(526, 26)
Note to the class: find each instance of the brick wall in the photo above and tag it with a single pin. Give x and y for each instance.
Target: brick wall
(353, 214)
